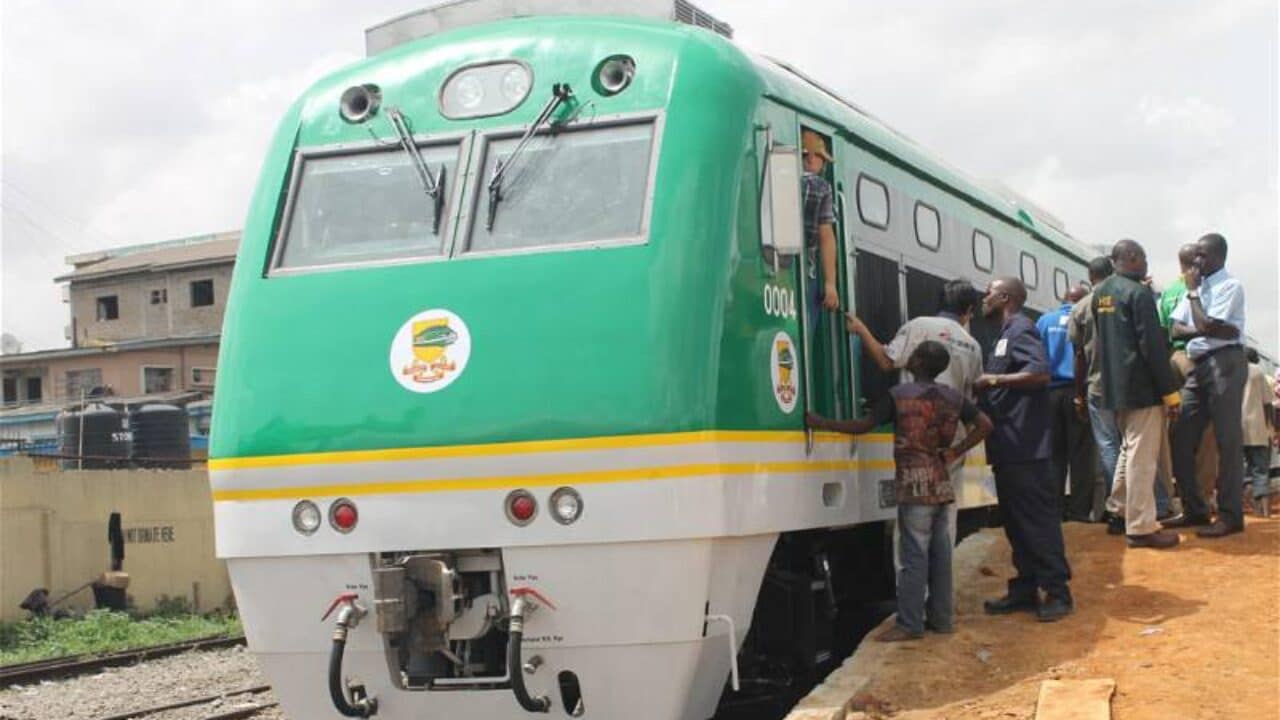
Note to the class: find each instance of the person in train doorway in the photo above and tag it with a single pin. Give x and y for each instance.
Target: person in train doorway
(1071, 449)
(1138, 386)
(926, 415)
(1211, 318)
(1088, 383)
(1014, 393)
(956, 304)
(819, 227)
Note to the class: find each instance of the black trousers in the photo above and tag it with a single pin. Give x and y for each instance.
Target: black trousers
(1029, 505)
(1213, 394)
(1073, 452)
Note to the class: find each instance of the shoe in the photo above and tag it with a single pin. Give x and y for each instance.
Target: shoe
(1168, 514)
(943, 630)
(1009, 604)
(1186, 521)
(1115, 525)
(1217, 530)
(1054, 609)
(1159, 540)
(897, 633)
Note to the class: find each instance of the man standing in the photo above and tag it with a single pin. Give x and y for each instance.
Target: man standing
(1137, 385)
(1088, 377)
(1211, 319)
(1258, 422)
(1016, 399)
(819, 222)
(1071, 443)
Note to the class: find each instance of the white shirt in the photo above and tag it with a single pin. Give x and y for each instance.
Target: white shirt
(1222, 298)
(966, 355)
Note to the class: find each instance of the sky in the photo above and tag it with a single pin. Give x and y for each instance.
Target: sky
(132, 122)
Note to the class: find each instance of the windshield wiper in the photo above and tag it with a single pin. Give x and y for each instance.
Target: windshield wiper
(560, 93)
(433, 186)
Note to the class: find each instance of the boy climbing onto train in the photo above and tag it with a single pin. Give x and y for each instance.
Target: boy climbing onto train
(926, 416)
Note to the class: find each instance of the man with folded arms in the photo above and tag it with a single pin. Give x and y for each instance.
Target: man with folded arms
(1137, 384)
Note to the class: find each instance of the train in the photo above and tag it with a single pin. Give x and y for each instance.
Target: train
(514, 369)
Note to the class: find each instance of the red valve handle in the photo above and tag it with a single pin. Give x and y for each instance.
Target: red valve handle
(344, 597)
(521, 591)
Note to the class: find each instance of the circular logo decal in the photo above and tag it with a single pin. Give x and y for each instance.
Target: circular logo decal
(782, 370)
(430, 351)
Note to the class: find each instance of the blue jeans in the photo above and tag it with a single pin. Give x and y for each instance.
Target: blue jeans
(924, 551)
(1257, 468)
(1107, 435)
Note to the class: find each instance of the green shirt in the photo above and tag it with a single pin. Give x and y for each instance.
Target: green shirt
(1169, 300)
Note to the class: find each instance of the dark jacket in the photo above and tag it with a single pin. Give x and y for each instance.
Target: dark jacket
(1021, 416)
(1132, 346)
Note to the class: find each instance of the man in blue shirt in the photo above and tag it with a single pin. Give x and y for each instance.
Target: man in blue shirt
(1211, 318)
(1072, 442)
(1015, 396)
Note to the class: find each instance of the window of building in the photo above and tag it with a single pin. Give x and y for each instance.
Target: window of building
(160, 296)
(1061, 283)
(10, 391)
(203, 377)
(928, 227)
(157, 380)
(108, 307)
(82, 381)
(35, 390)
(201, 293)
(873, 202)
(984, 254)
(1030, 271)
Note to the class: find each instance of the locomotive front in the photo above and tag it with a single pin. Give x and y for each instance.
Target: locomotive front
(463, 382)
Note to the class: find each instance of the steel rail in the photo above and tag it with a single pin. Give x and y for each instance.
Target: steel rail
(143, 712)
(241, 713)
(81, 664)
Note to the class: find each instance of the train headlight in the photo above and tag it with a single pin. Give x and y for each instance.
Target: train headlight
(521, 507)
(566, 505)
(306, 517)
(343, 515)
(614, 74)
(486, 89)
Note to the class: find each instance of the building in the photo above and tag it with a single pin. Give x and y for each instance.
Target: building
(145, 321)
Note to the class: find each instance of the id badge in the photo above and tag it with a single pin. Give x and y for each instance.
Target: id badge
(1002, 347)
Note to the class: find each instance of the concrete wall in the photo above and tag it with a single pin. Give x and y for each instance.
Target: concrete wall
(53, 534)
(138, 317)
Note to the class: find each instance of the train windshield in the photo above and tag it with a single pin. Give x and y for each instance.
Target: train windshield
(364, 207)
(569, 187)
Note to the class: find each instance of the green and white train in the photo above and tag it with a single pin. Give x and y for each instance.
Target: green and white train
(515, 368)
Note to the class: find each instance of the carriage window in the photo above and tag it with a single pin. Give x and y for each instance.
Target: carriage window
(1030, 271)
(873, 202)
(1061, 283)
(566, 188)
(928, 227)
(364, 207)
(983, 252)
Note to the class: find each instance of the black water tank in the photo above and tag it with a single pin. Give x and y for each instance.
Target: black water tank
(98, 433)
(160, 437)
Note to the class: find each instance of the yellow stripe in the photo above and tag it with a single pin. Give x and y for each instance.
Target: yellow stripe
(546, 479)
(613, 442)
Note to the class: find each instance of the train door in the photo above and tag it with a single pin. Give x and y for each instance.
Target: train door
(824, 331)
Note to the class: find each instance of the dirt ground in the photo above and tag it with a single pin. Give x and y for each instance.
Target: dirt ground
(1187, 633)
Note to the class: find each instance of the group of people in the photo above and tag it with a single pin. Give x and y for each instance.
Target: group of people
(1154, 392)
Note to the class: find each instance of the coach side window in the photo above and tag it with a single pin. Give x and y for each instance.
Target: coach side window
(928, 227)
(873, 202)
(983, 252)
(1030, 271)
(1060, 283)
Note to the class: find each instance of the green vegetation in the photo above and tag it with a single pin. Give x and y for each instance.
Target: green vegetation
(103, 631)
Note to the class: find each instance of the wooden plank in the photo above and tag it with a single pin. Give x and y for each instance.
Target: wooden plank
(1075, 699)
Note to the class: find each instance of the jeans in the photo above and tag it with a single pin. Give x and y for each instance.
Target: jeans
(1107, 435)
(1257, 468)
(924, 551)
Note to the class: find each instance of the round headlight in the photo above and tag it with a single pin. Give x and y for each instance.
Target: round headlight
(614, 74)
(566, 505)
(469, 92)
(515, 84)
(306, 517)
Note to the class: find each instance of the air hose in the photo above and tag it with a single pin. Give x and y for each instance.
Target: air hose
(357, 705)
(515, 668)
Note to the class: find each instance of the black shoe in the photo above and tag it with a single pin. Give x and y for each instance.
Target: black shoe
(1187, 521)
(1159, 540)
(1009, 604)
(1115, 525)
(1218, 529)
(1054, 608)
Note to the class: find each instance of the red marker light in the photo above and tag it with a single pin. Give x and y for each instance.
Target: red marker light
(343, 515)
(521, 507)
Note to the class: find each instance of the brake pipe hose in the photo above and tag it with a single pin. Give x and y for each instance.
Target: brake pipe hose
(515, 668)
(361, 707)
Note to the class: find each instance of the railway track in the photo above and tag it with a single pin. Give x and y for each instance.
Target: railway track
(239, 713)
(25, 673)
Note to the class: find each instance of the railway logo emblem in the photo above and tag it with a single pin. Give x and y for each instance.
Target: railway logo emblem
(430, 351)
(782, 366)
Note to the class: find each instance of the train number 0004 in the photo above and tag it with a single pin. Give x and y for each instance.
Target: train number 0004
(779, 301)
